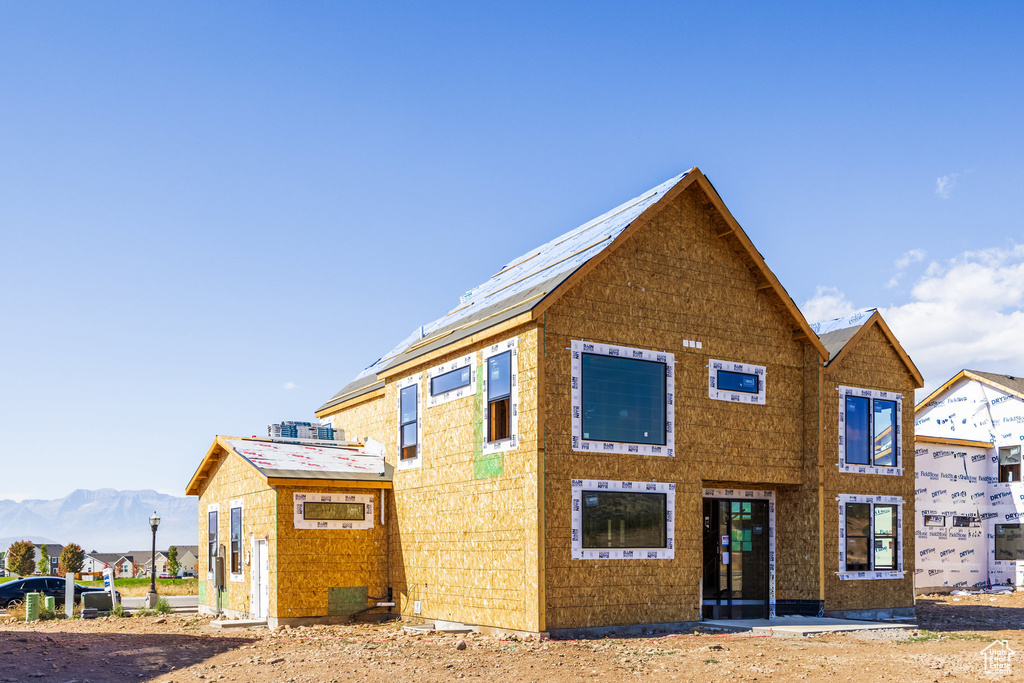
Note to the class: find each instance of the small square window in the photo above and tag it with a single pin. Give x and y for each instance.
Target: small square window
(967, 521)
(1009, 544)
(935, 520)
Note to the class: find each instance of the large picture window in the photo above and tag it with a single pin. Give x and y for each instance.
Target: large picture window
(500, 374)
(869, 431)
(870, 540)
(1009, 542)
(622, 399)
(622, 520)
(237, 572)
(410, 424)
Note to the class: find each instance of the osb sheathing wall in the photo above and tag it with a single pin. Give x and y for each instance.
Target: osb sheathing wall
(871, 363)
(233, 479)
(464, 527)
(670, 281)
(365, 418)
(310, 562)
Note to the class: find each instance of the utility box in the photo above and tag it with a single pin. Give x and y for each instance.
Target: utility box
(97, 601)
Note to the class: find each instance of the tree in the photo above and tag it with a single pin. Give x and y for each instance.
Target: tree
(43, 566)
(71, 559)
(21, 557)
(172, 561)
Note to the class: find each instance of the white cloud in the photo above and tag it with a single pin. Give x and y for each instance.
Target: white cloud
(912, 256)
(827, 303)
(945, 184)
(967, 312)
(290, 385)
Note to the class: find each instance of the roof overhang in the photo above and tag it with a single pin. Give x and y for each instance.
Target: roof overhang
(222, 447)
(876, 319)
(966, 374)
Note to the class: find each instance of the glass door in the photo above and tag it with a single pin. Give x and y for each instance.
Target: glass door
(735, 559)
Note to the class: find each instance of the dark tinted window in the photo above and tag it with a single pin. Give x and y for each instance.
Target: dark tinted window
(618, 519)
(738, 381)
(450, 381)
(1009, 542)
(409, 398)
(858, 536)
(211, 530)
(623, 399)
(236, 540)
(857, 424)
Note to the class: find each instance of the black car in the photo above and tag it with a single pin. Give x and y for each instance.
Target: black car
(13, 592)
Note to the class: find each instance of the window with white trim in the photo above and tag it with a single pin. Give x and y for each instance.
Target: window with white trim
(623, 399)
(501, 396)
(870, 537)
(410, 422)
(236, 569)
(452, 380)
(870, 431)
(736, 382)
(622, 520)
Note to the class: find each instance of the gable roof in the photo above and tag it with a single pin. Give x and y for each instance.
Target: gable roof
(281, 460)
(529, 284)
(839, 335)
(1007, 383)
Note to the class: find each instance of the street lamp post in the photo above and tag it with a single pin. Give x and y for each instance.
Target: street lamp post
(154, 522)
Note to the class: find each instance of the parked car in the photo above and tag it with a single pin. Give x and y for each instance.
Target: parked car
(14, 591)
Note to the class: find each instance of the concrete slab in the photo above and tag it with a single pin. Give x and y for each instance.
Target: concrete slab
(438, 626)
(801, 626)
(238, 623)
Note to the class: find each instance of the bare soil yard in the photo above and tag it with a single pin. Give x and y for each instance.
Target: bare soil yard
(947, 647)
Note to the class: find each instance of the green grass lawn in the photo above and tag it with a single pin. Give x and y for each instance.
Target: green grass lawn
(5, 579)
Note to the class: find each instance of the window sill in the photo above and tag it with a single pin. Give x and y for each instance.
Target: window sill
(871, 469)
(869, 576)
(237, 578)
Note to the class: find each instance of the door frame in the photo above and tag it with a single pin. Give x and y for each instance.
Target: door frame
(259, 607)
(750, 494)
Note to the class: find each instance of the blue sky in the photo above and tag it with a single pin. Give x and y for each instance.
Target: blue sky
(215, 214)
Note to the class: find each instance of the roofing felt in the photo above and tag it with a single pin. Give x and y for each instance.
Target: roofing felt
(311, 461)
(516, 288)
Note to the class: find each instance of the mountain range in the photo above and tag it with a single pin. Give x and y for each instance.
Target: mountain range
(105, 520)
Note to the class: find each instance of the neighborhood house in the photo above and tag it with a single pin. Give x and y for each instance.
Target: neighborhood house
(970, 498)
(632, 424)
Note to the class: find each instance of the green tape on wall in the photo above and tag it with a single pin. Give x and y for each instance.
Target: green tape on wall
(202, 592)
(484, 466)
(344, 601)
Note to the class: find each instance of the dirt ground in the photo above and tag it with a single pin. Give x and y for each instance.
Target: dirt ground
(946, 647)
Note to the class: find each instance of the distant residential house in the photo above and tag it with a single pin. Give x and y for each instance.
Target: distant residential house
(53, 550)
(188, 557)
(970, 497)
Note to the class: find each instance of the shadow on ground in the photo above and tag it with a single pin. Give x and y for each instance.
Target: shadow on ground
(97, 657)
(939, 615)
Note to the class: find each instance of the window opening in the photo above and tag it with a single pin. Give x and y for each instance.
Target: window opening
(409, 398)
(236, 540)
(499, 396)
(1009, 463)
(450, 381)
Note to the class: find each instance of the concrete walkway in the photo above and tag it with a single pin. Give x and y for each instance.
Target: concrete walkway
(801, 626)
(180, 603)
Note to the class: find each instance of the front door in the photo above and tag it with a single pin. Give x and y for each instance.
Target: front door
(259, 590)
(736, 537)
